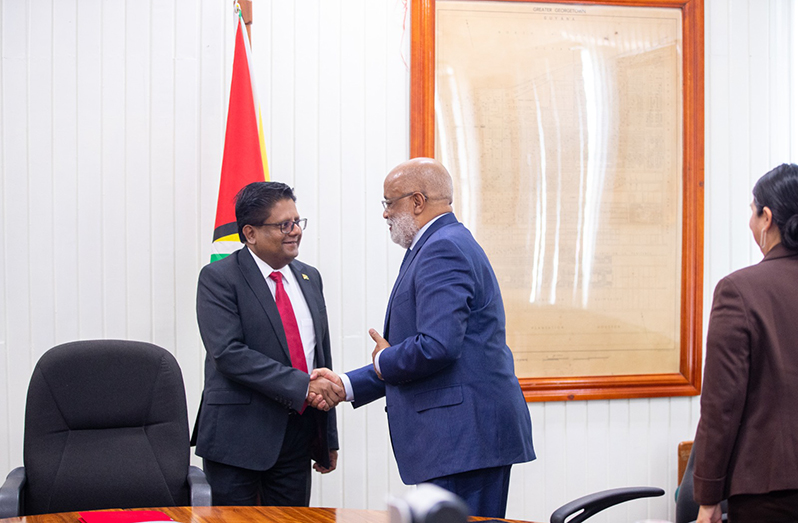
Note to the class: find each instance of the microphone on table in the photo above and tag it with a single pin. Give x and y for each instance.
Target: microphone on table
(428, 503)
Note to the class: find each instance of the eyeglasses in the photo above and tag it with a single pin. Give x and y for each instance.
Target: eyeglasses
(288, 226)
(390, 201)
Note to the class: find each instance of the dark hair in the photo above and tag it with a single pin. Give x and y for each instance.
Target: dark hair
(254, 203)
(778, 191)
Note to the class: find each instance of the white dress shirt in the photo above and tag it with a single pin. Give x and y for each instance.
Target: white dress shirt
(301, 310)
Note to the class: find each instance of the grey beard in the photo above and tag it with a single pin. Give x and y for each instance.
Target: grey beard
(403, 230)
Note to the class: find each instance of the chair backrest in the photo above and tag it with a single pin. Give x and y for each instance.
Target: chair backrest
(683, 454)
(686, 506)
(105, 427)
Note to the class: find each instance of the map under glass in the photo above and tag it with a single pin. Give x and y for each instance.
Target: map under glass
(562, 128)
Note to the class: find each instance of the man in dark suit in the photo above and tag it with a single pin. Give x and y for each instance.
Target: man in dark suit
(263, 322)
(456, 412)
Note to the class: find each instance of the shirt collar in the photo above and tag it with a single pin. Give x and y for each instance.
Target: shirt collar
(267, 269)
(422, 230)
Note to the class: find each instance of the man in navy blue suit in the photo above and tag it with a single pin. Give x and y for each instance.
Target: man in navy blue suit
(456, 413)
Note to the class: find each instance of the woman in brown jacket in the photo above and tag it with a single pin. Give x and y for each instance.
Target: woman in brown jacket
(747, 438)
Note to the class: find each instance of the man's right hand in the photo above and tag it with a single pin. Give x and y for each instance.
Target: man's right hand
(322, 380)
(326, 390)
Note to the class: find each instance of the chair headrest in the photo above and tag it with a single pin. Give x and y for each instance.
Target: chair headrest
(106, 383)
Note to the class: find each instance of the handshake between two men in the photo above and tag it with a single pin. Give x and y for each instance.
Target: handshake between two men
(326, 388)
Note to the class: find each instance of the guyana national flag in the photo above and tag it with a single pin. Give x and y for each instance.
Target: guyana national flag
(244, 159)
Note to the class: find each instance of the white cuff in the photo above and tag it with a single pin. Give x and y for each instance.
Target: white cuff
(350, 395)
(377, 362)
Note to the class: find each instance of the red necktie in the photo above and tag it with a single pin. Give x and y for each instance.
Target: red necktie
(295, 348)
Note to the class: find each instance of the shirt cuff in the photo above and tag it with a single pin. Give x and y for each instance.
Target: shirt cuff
(377, 362)
(350, 394)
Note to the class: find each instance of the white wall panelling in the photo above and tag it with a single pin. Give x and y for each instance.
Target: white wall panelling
(112, 121)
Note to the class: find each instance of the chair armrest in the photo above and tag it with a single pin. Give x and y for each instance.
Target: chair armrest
(199, 489)
(598, 501)
(11, 494)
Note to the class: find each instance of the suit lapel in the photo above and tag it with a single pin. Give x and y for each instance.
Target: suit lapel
(256, 281)
(411, 255)
(313, 299)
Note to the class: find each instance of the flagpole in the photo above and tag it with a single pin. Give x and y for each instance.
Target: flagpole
(246, 14)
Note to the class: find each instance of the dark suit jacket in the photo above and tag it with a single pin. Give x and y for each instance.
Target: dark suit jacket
(453, 401)
(250, 385)
(747, 438)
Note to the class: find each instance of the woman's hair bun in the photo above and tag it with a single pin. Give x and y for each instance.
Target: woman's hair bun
(789, 233)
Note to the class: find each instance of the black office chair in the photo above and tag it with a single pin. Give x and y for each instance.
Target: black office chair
(588, 506)
(105, 427)
(686, 506)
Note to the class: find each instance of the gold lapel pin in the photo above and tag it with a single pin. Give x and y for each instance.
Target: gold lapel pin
(305, 277)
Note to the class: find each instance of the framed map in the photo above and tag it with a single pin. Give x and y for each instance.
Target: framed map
(574, 135)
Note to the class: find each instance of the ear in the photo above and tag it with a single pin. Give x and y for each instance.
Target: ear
(419, 202)
(249, 233)
(767, 214)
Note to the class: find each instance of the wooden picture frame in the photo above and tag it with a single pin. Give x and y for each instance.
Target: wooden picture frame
(687, 380)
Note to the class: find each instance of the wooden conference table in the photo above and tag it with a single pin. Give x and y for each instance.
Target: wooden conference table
(244, 515)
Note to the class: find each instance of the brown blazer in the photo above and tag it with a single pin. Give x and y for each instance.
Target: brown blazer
(747, 438)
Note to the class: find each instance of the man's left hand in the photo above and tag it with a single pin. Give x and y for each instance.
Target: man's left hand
(333, 463)
(381, 344)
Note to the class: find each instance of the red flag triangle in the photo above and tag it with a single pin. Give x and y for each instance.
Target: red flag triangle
(244, 159)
